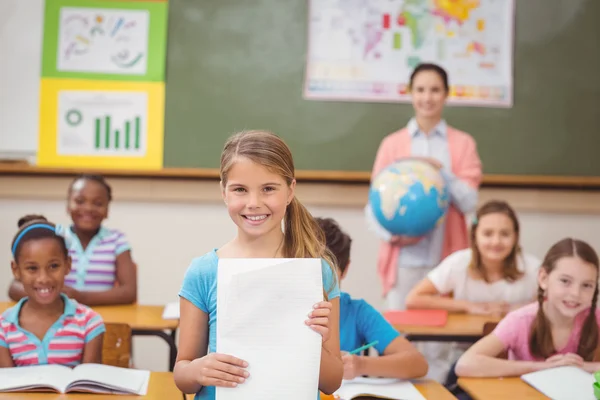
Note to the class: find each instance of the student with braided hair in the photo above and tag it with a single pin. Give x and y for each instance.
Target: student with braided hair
(103, 270)
(560, 329)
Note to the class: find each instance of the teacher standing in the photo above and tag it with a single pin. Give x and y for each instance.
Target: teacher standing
(404, 261)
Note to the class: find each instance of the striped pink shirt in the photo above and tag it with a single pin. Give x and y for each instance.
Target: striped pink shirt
(63, 343)
(94, 269)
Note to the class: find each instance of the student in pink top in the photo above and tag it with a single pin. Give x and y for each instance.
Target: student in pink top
(560, 329)
(404, 261)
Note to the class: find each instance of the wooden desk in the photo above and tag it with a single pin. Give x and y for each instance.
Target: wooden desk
(430, 389)
(433, 390)
(161, 387)
(499, 389)
(459, 328)
(143, 320)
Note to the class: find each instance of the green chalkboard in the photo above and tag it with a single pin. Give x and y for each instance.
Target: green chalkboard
(239, 64)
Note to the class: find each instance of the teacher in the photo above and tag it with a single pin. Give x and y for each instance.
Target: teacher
(404, 261)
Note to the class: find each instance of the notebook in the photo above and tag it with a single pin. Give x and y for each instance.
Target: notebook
(171, 311)
(417, 317)
(92, 378)
(381, 388)
(563, 383)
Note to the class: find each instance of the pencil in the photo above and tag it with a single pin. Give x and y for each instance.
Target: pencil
(366, 346)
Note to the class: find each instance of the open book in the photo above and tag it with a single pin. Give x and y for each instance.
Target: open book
(563, 383)
(381, 388)
(92, 378)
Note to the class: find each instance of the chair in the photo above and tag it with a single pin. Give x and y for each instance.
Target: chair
(116, 349)
(489, 327)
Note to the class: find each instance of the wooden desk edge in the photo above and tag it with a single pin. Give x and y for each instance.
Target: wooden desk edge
(351, 177)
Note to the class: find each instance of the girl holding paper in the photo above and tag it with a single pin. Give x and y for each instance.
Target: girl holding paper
(258, 185)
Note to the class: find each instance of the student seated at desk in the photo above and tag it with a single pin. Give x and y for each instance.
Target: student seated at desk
(103, 271)
(46, 327)
(361, 324)
(492, 277)
(560, 329)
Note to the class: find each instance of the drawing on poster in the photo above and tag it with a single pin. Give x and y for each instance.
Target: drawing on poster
(108, 41)
(102, 123)
(365, 50)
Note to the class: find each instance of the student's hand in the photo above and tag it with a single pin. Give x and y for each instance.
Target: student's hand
(351, 365)
(494, 308)
(405, 240)
(561, 360)
(318, 319)
(216, 369)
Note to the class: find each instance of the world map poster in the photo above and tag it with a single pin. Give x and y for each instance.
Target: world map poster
(365, 50)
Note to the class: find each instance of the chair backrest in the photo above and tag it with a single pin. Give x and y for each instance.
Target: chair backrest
(116, 349)
(489, 327)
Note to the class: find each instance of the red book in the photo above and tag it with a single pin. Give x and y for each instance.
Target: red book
(417, 317)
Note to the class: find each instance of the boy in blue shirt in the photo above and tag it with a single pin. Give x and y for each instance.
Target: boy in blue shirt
(360, 324)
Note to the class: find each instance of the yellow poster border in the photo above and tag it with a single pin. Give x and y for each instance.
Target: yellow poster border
(48, 156)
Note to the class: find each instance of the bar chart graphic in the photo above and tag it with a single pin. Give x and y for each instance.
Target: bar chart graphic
(102, 123)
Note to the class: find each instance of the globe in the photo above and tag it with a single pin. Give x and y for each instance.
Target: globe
(409, 197)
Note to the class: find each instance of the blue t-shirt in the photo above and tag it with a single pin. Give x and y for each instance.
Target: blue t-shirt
(361, 324)
(200, 288)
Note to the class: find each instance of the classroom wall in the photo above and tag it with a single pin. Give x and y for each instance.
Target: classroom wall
(170, 222)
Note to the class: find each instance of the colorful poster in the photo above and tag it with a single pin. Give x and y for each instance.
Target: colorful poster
(365, 50)
(102, 89)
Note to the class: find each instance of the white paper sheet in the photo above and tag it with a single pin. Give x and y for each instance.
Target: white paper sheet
(394, 389)
(262, 305)
(171, 311)
(563, 383)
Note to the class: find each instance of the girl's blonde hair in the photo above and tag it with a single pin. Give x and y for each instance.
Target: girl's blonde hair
(303, 237)
(510, 272)
(541, 344)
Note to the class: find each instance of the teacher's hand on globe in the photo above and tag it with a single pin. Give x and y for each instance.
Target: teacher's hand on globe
(429, 160)
(405, 240)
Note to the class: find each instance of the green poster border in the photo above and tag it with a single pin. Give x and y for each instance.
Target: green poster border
(157, 39)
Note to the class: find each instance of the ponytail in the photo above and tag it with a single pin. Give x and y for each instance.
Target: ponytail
(541, 344)
(304, 238)
(588, 341)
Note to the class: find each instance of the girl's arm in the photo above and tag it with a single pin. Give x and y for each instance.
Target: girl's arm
(16, 291)
(5, 358)
(193, 344)
(332, 368)
(92, 352)
(426, 296)
(480, 361)
(193, 367)
(125, 292)
(399, 360)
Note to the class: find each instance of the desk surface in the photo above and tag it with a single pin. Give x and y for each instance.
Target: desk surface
(457, 324)
(161, 387)
(137, 316)
(433, 390)
(499, 389)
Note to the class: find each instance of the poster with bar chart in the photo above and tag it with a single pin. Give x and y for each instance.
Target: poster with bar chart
(102, 123)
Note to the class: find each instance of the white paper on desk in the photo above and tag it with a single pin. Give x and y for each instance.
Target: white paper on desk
(393, 389)
(563, 383)
(262, 305)
(171, 311)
